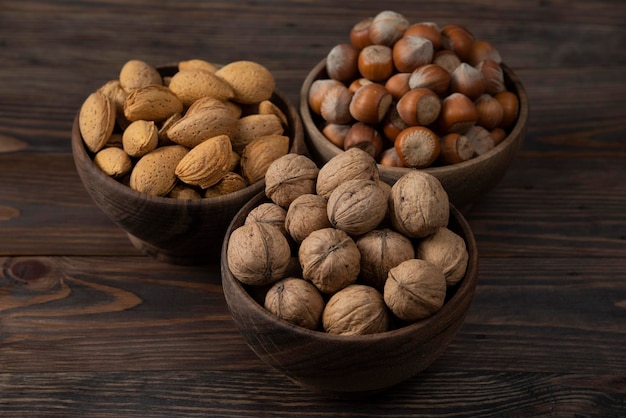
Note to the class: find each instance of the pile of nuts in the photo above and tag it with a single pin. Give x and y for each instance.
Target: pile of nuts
(414, 95)
(204, 131)
(337, 250)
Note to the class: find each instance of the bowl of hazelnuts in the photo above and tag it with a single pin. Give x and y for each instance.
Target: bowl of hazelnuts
(344, 283)
(417, 96)
(171, 153)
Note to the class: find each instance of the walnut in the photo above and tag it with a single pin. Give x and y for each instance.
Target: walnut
(356, 310)
(268, 213)
(381, 250)
(258, 254)
(357, 206)
(418, 204)
(447, 250)
(351, 164)
(415, 289)
(288, 177)
(307, 213)
(330, 259)
(296, 301)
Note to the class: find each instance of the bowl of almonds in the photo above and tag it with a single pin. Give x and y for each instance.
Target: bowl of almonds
(170, 153)
(418, 95)
(344, 283)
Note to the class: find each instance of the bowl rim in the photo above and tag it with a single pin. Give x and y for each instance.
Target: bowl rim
(463, 294)
(319, 70)
(81, 153)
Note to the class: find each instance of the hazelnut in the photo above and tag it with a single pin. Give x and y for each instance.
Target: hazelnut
(307, 213)
(458, 114)
(498, 135)
(467, 80)
(369, 103)
(455, 148)
(490, 112)
(330, 259)
(459, 39)
(258, 254)
(296, 301)
(288, 177)
(430, 76)
(446, 59)
(445, 249)
(481, 139)
(387, 27)
(393, 124)
(510, 108)
(360, 33)
(390, 158)
(376, 62)
(336, 133)
(482, 50)
(381, 250)
(418, 204)
(335, 106)
(415, 289)
(411, 52)
(420, 106)
(356, 310)
(417, 146)
(493, 74)
(357, 206)
(341, 62)
(428, 30)
(358, 83)
(318, 90)
(365, 137)
(398, 85)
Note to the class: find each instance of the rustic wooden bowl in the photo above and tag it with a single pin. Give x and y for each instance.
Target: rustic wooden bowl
(175, 231)
(465, 181)
(347, 366)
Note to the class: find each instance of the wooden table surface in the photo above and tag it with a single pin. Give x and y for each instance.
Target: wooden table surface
(90, 326)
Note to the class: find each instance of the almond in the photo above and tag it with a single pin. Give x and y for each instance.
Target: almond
(201, 124)
(207, 163)
(140, 138)
(191, 85)
(266, 107)
(113, 161)
(251, 82)
(197, 64)
(136, 73)
(154, 173)
(96, 120)
(151, 103)
(260, 153)
(113, 89)
(231, 182)
(254, 126)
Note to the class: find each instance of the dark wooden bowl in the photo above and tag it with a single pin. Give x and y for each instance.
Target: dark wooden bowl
(348, 366)
(465, 181)
(175, 231)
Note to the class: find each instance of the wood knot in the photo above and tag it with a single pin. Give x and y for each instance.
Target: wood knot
(30, 274)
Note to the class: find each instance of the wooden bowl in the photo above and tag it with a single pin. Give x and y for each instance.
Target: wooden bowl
(175, 231)
(348, 366)
(465, 181)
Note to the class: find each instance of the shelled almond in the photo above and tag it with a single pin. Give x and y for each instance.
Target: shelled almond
(180, 136)
(393, 76)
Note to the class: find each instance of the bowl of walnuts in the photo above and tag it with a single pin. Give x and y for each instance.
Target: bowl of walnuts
(171, 153)
(345, 284)
(418, 96)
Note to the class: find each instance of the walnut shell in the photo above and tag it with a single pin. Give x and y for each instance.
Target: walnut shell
(296, 301)
(356, 310)
(418, 204)
(307, 213)
(447, 250)
(415, 289)
(268, 213)
(348, 165)
(330, 259)
(258, 254)
(381, 250)
(288, 177)
(357, 206)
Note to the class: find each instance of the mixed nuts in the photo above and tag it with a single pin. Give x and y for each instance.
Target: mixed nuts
(205, 131)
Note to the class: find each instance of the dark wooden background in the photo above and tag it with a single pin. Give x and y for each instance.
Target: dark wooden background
(90, 326)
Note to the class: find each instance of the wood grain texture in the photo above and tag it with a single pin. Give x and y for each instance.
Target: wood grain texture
(90, 327)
